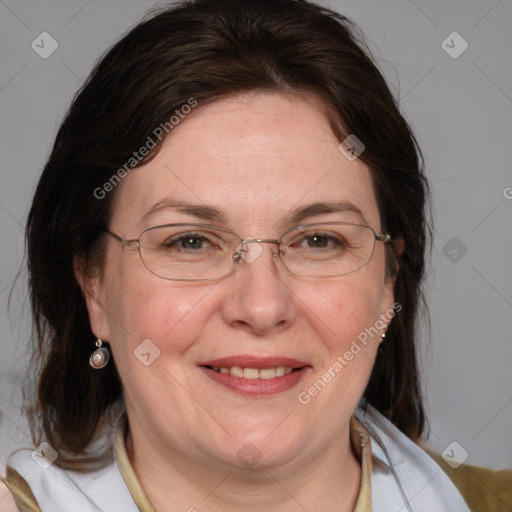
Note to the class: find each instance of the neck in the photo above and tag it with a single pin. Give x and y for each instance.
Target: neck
(329, 481)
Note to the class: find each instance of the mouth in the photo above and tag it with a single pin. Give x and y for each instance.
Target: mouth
(255, 376)
(254, 373)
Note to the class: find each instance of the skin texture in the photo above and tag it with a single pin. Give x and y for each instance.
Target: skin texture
(7, 503)
(255, 157)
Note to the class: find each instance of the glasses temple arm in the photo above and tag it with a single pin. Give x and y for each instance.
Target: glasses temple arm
(125, 243)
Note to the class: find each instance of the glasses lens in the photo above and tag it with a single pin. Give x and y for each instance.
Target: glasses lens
(328, 249)
(188, 251)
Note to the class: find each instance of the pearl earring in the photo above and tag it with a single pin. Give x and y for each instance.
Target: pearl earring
(100, 357)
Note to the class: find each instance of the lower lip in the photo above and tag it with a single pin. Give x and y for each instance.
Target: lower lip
(256, 387)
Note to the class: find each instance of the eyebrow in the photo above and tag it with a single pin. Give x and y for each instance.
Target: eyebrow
(322, 208)
(210, 213)
(201, 211)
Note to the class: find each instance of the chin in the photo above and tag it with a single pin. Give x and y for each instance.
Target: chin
(263, 447)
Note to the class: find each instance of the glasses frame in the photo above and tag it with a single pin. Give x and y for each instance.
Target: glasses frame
(237, 256)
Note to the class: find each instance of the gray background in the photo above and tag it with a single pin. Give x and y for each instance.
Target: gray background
(461, 111)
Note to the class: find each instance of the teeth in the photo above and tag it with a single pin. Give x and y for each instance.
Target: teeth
(251, 373)
(254, 373)
(237, 371)
(267, 373)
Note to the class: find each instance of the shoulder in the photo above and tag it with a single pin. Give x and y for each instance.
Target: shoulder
(45, 485)
(407, 474)
(482, 488)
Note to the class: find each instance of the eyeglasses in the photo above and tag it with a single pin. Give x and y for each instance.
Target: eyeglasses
(201, 252)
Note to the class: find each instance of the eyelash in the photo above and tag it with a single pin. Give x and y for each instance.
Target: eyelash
(176, 239)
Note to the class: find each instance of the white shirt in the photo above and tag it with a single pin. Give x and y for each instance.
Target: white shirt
(402, 477)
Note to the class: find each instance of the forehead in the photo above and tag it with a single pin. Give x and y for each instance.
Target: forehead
(254, 157)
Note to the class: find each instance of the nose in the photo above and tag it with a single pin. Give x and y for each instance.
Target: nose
(259, 299)
(249, 253)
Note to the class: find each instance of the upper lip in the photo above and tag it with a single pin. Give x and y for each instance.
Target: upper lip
(248, 361)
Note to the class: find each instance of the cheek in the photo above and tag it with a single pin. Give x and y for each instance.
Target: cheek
(343, 316)
(144, 307)
(342, 310)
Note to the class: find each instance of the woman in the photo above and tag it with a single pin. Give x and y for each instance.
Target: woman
(226, 249)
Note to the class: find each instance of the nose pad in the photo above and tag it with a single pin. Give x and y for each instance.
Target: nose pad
(249, 250)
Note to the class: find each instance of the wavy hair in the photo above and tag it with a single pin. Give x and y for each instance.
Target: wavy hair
(208, 49)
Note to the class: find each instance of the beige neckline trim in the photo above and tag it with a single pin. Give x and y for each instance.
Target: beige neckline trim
(359, 438)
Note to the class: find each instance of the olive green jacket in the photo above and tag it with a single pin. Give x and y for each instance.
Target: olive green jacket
(484, 490)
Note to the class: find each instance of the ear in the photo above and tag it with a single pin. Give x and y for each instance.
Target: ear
(396, 249)
(92, 290)
(398, 245)
(388, 304)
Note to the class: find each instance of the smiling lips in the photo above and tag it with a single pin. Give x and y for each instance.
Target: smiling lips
(249, 375)
(254, 373)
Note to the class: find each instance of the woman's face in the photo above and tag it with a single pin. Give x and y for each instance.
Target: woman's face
(255, 158)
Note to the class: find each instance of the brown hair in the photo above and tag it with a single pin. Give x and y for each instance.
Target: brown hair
(205, 50)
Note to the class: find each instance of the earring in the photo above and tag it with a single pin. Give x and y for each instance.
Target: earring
(382, 338)
(99, 358)
(383, 335)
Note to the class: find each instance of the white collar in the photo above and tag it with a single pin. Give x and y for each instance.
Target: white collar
(405, 478)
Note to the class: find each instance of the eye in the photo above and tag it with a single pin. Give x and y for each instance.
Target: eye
(319, 241)
(188, 241)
